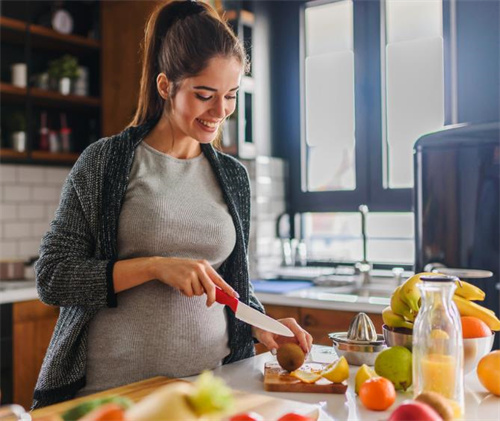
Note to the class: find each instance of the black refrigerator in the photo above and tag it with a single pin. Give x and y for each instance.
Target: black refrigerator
(457, 201)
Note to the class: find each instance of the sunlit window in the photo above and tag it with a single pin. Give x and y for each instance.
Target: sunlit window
(329, 98)
(414, 82)
(337, 237)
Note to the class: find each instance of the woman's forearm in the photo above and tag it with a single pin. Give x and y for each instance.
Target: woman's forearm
(132, 272)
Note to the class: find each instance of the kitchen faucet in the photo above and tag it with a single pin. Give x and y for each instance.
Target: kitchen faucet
(364, 267)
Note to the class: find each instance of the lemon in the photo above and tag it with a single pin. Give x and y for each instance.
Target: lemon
(306, 376)
(338, 372)
(363, 374)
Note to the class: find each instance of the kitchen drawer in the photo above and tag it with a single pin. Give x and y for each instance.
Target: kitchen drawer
(281, 312)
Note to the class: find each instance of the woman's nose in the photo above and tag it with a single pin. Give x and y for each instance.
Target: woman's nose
(218, 109)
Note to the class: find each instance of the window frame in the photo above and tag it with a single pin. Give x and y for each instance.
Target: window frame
(369, 52)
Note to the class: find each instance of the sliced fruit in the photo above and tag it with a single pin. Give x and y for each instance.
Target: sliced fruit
(338, 372)
(306, 376)
(363, 374)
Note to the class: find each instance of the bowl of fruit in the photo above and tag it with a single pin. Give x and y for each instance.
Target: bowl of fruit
(478, 322)
(478, 341)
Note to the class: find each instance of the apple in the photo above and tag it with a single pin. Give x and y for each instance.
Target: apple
(414, 411)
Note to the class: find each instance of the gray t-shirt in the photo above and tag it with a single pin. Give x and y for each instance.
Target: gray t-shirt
(172, 208)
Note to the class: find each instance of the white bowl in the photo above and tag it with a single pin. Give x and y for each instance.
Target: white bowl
(474, 350)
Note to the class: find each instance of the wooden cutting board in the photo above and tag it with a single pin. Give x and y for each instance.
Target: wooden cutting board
(268, 407)
(278, 380)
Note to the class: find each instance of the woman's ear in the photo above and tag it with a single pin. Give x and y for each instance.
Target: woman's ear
(162, 84)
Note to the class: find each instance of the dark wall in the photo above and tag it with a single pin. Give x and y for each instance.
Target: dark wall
(478, 58)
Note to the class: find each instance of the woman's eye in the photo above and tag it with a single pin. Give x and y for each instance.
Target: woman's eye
(230, 97)
(203, 98)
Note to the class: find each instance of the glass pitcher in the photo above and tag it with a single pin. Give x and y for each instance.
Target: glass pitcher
(437, 342)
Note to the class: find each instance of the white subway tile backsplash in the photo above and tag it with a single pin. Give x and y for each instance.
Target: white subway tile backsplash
(32, 212)
(46, 194)
(29, 248)
(16, 193)
(29, 196)
(38, 229)
(57, 175)
(7, 174)
(30, 174)
(9, 249)
(50, 211)
(16, 230)
(8, 212)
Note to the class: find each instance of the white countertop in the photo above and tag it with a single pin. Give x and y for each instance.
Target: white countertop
(17, 291)
(318, 297)
(247, 375)
(313, 297)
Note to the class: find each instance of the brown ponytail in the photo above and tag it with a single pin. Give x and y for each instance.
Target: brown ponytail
(180, 38)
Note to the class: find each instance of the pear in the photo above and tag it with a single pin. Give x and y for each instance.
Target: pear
(363, 374)
(395, 364)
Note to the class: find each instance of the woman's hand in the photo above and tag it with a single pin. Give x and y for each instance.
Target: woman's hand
(191, 277)
(273, 341)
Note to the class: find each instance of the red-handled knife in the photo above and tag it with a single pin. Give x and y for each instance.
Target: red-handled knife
(250, 315)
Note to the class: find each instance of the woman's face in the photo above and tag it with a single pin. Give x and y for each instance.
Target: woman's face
(205, 100)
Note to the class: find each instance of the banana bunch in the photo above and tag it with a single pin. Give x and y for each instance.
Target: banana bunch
(405, 303)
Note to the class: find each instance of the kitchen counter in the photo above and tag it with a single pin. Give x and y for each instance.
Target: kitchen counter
(247, 375)
(321, 298)
(17, 291)
(312, 297)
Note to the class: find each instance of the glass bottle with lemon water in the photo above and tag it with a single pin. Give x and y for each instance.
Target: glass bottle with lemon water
(437, 342)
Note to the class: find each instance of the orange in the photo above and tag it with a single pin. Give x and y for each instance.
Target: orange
(488, 372)
(472, 327)
(377, 394)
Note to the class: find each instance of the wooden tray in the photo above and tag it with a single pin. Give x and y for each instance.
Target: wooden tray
(268, 407)
(278, 380)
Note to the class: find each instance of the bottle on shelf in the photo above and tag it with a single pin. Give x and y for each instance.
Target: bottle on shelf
(54, 143)
(65, 134)
(43, 143)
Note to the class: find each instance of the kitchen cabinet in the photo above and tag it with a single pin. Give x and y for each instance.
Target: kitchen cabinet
(32, 325)
(122, 36)
(56, 126)
(318, 322)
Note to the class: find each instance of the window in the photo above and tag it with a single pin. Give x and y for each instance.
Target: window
(372, 83)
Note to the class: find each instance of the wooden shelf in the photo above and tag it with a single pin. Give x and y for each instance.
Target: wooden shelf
(13, 24)
(14, 30)
(46, 156)
(45, 97)
(12, 154)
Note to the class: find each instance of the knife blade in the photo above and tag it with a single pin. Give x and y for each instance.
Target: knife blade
(251, 316)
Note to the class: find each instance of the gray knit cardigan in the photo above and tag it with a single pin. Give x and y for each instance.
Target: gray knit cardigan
(77, 255)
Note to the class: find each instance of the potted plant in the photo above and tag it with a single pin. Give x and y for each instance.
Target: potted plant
(16, 125)
(64, 70)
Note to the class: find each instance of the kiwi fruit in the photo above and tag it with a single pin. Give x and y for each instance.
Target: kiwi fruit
(290, 356)
(438, 403)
